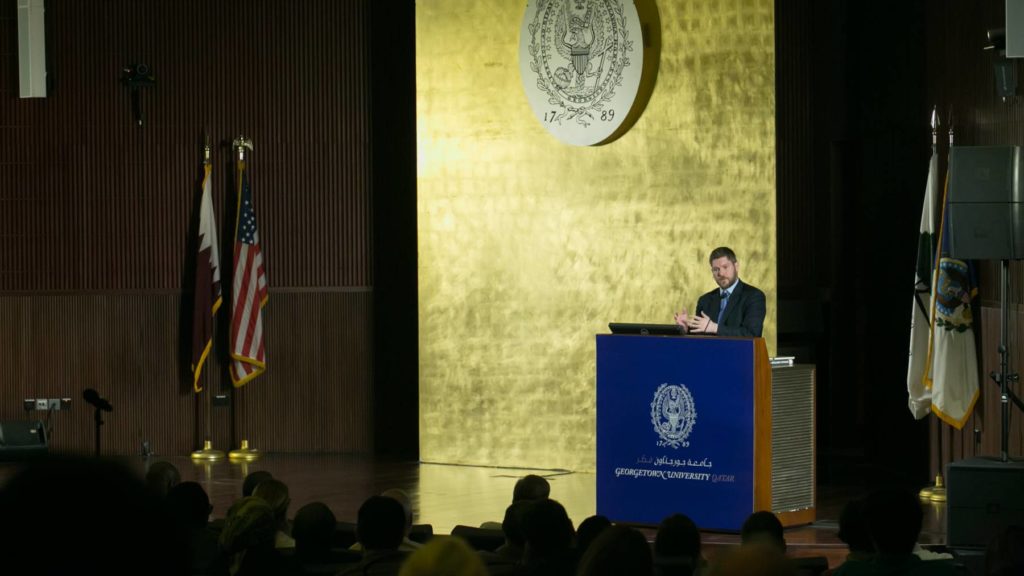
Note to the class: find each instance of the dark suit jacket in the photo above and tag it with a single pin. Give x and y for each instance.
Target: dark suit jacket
(744, 312)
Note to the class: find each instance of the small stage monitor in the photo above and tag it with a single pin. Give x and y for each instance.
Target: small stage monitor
(646, 329)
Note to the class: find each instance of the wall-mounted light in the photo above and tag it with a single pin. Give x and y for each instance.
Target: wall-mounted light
(134, 77)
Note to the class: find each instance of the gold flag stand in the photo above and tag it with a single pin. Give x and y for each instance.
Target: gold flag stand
(936, 493)
(244, 453)
(207, 454)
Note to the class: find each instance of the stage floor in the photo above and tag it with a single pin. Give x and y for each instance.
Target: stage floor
(446, 495)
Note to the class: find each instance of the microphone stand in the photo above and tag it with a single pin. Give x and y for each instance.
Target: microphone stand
(1004, 376)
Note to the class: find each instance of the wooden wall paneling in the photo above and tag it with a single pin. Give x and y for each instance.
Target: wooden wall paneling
(315, 397)
(795, 153)
(99, 203)
(316, 393)
(123, 346)
(17, 369)
(95, 213)
(806, 232)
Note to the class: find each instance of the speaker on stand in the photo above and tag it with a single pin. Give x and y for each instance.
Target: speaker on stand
(986, 222)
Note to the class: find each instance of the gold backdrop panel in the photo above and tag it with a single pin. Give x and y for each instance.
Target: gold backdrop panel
(529, 247)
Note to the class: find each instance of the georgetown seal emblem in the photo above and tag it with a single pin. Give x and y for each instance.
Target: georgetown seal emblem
(673, 415)
(953, 295)
(581, 63)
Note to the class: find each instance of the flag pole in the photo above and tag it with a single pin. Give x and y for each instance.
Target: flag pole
(208, 453)
(937, 491)
(244, 453)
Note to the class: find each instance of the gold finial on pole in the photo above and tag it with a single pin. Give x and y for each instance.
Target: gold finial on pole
(206, 148)
(240, 144)
(950, 128)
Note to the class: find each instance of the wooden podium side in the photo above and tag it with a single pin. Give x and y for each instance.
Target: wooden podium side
(762, 427)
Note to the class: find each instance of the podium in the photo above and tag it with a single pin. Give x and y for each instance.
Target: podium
(702, 426)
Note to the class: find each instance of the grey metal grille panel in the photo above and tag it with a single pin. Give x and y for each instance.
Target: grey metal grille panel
(792, 438)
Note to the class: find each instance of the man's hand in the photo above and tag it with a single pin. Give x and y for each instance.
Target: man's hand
(683, 320)
(702, 325)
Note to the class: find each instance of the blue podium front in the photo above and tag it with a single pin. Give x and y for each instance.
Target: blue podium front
(676, 428)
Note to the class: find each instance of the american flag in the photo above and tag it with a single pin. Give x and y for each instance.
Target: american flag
(249, 291)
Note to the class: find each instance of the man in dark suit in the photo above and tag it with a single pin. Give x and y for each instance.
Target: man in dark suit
(732, 309)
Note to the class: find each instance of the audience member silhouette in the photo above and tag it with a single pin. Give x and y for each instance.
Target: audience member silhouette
(853, 530)
(763, 528)
(252, 480)
(588, 531)
(190, 506)
(249, 484)
(893, 519)
(615, 552)
(380, 527)
(512, 526)
(402, 497)
(275, 493)
(87, 516)
(677, 547)
(313, 530)
(161, 477)
(531, 487)
(247, 539)
(549, 535)
(444, 557)
(527, 489)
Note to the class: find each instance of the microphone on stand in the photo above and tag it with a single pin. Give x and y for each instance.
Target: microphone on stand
(92, 398)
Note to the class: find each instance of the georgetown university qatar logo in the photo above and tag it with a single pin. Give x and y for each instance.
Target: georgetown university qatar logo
(581, 62)
(673, 415)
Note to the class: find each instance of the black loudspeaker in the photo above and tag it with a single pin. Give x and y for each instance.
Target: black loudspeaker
(20, 439)
(984, 497)
(986, 203)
